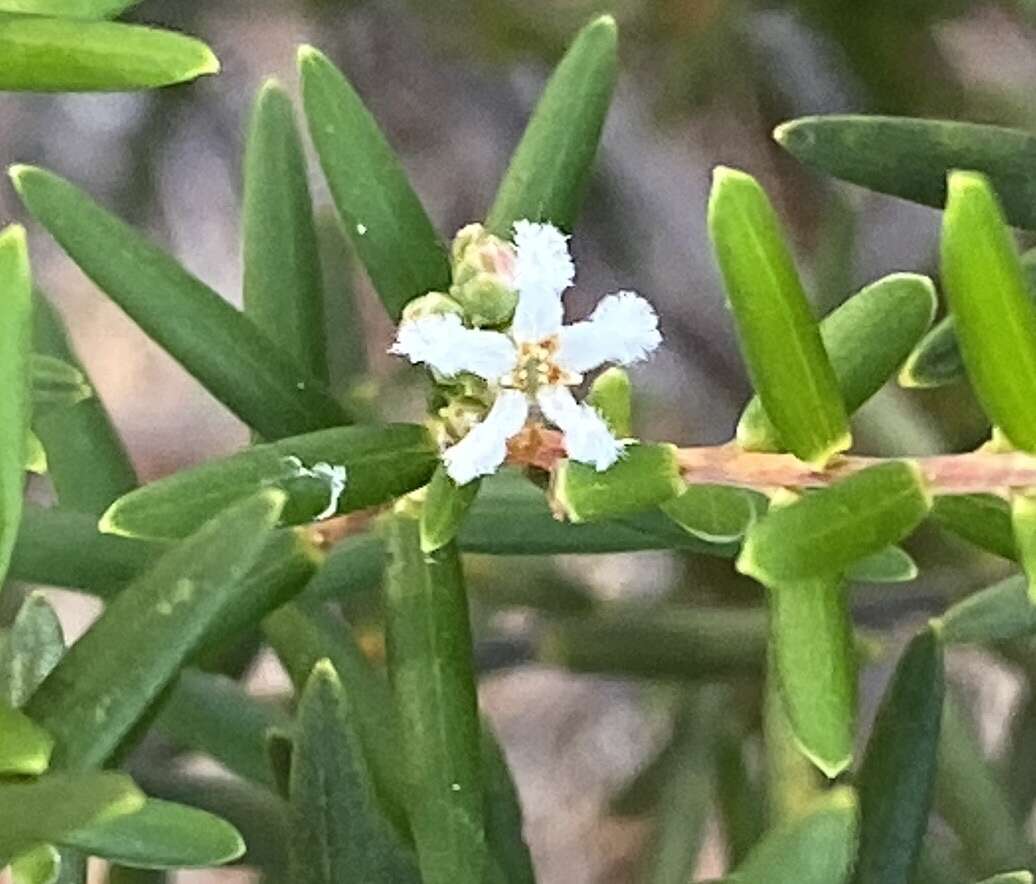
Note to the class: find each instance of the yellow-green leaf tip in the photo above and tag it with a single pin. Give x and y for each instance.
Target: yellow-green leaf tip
(310, 54)
(210, 64)
(18, 172)
(604, 23)
(13, 233)
(961, 182)
(831, 768)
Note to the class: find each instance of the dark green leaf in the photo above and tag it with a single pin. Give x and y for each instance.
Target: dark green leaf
(646, 476)
(86, 460)
(429, 656)
(60, 55)
(715, 513)
(815, 849)
(936, 361)
(444, 508)
(981, 519)
(160, 835)
(824, 532)
(739, 795)
(779, 337)
(381, 462)
(897, 777)
(15, 403)
(890, 565)
(224, 350)
(663, 643)
(812, 639)
(910, 158)
(29, 649)
(338, 832)
(382, 215)
(866, 338)
(504, 823)
(988, 295)
(47, 809)
(551, 166)
(109, 678)
(283, 287)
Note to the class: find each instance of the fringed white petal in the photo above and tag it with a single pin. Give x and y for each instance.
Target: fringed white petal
(543, 270)
(587, 437)
(442, 342)
(622, 329)
(481, 452)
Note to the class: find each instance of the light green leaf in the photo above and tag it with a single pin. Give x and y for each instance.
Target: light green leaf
(444, 508)
(658, 643)
(15, 404)
(82, 9)
(24, 747)
(981, 519)
(87, 463)
(644, 477)
(890, 565)
(429, 660)
(550, 169)
(50, 807)
(41, 865)
(824, 532)
(29, 649)
(816, 849)
(995, 317)
(779, 338)
(910, 158)
(812, 639)
(715, 513)
(160, 835)
(1023, 520)
(897, 776)
(998, 613)
(381, 462)
(60, 55)
(110, 677)
(224, 350)
(611, 393)
(338, 833)
(382, 215)
(866, 338)
(283, 289)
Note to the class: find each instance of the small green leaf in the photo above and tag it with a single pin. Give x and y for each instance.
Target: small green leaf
(24, 747)
(998, 613)
(60, 55)
(444, 508)
(995, 317)
(47, 809)
(224, 350)
(890, 565)
(824, 532)
(338, 832)
(812, 639)
(715, 513)
(41, 865)
(160, 835)
(658, 643)
(56, 383)
(779, 338)
(15, 404)
(611, 394)
(936, 361)
(283, 289)
(80, 9)
(550, 169)
(818, 848)
(645, 476)
(110, 677)
(381, 462)
(981, 519)
(910, 158)
(866, 338)
(382, 215)
(86, 460)
(430, 666)
(29, 649)
(897, 776)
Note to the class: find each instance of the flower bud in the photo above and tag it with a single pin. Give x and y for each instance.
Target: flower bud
(460, 415)
(431, 304)
(483, 276)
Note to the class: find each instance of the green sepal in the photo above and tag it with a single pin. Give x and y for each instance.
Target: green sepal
(612, 395)
(645, 476)
(444, 507)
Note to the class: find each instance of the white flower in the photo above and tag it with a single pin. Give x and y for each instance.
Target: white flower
(537, 359)
(334, 476)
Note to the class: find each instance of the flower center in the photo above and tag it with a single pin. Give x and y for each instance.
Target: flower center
(536, 368)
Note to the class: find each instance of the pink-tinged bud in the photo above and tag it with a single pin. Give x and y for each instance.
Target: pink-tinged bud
(483, 276)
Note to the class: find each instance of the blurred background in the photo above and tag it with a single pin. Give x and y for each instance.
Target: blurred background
(452, 83)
